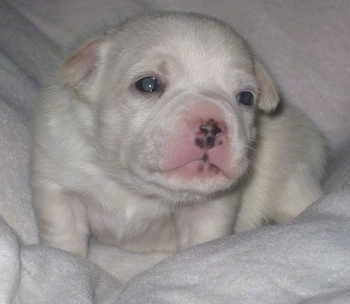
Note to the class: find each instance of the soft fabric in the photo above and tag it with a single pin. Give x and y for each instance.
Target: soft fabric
(306, 47)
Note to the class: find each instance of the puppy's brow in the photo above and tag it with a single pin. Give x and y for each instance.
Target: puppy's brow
(163, 68)
(155, 64)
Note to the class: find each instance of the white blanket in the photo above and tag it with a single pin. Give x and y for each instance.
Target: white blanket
(306, 46)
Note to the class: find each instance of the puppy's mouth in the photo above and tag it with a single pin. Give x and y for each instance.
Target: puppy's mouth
(196, 169)
(200, 169)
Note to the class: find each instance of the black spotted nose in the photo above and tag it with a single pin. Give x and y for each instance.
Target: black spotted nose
(210, 129)
(207, 133)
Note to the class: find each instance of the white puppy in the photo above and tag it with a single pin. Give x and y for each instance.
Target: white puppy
(159, 135)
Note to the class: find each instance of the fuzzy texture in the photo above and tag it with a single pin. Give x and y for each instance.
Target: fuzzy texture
(305, 46)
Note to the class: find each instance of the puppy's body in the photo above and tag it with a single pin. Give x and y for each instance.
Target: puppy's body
(159, 136)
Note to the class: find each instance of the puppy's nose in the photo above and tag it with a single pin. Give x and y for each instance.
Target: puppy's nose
(209, 133)
(210, 129)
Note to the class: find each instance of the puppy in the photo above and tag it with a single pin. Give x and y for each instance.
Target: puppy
(161, 134)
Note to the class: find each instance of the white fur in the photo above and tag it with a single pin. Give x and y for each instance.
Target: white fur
(101, 149)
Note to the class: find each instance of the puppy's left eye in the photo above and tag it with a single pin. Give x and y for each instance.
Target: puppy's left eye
(245, 98)
(148, 84)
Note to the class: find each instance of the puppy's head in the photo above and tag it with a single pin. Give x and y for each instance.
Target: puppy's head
(173, 99)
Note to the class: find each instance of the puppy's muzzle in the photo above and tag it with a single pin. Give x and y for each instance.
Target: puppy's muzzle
(200, 146)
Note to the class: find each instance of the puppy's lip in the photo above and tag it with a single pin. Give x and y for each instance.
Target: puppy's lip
(199, 169)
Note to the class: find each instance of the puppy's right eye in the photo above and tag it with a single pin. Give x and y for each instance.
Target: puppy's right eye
(148, 84)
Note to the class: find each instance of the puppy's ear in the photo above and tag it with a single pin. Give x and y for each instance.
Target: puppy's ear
(268, 94)
(80, 69)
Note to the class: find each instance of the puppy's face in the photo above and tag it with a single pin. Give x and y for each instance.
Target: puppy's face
(172, 100)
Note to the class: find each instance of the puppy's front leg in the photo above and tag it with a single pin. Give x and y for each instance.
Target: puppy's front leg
(204, 222)
(61, 219)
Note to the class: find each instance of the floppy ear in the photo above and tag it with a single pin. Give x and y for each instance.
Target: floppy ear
(268, 94)
(80, 69)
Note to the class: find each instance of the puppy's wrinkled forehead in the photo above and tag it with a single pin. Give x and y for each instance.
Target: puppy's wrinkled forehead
(192, 41)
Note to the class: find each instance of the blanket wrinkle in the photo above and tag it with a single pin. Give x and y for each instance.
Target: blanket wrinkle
(9, 263)
(331, 206)
(22, 41)
(12, 75)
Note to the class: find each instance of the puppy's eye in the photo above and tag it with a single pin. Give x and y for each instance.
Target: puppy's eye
(245, 98)
(148, 84)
